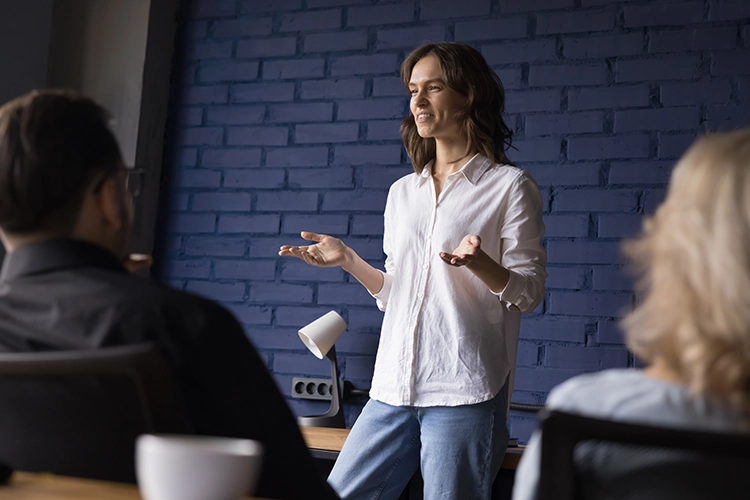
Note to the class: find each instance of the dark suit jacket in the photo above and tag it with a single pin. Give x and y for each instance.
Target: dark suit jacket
(66, 294)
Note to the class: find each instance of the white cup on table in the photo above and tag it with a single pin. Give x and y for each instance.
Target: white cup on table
(178, 467)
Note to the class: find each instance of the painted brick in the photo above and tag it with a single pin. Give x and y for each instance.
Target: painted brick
(541, 380)
(612, 278)
(725, 10)
(205, 95)
(226, 202)
(354, 201)
(255, 6)
(230, 158)
(652, 199)
(223, 292)
(590, 148)
(236, 28)
(511, 77)
(266, 47)
(209, 49)
(293, 68)
(296, 270)
(574, 22)
(333, 132)
(187, 75)
(603, 46)
(312, 4)
(264, 248)
(215, 246)
(409, 37)
(190, 117)
(199, 179)
(179, 202)
(535, 150)
(381, 178)
(371, 108)
(189, 223)
(187, 157)
(653, 172)
(449, 9)
(619, 225)
(556, 329)
(197, 29)
(249, 224)
(507, 6)
(300, 112)
(341, 294)
(328, 89)
(656, 69)
(578, 174)
(364, 155)
(321, 178)
(315, 20)
(707, 90)
(592, 200)
(280, 293)
(683, 118)
(212, 8)
(244, 269)
(297, 157)
(369, 248)
(569, 278)
(318, 223)
(663, 14)
(532, 100)
(568, 123)
(360, 366)
(720, 117)
(228, 72)
(235, 115)
(333, 42)
(688, 39)
(744, 85)
(579, 252)
(566, 74)
(383, 130)
(566, 226)
(491, 29)
(194, 268)
(603, 304)
(257, 136)
(197, 136)
(366, 320)
(254, 178)
(624, 96)
(262, 92)
(264, 337)
(364, 65)
(522, 428)
(300, 316)
(251, 315)
(528, 354)
(380, 14)
(732, 63)
(519, 52)
(585, 358)
(367, 225)
(388, 86)
(673, 146)
(609, 332)
(355, 343)
(287, 201)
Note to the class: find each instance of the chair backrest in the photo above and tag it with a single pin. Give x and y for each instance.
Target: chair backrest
(78, 413)
(583, 457)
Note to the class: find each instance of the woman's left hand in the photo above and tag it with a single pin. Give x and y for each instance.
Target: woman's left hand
(465, 253)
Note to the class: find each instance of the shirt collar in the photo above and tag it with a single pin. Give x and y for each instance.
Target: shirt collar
(54, 255)
(473, 170)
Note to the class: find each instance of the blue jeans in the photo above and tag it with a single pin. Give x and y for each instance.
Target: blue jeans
(459, 449)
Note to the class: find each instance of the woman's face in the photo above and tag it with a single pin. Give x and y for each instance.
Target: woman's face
(434, 105)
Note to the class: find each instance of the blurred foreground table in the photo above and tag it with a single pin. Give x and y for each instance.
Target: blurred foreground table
(34, 486)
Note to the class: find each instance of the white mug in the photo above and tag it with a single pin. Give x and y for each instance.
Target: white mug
(178, 467)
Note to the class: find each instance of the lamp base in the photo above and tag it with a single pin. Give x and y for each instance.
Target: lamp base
(335, 421)
(334, 417)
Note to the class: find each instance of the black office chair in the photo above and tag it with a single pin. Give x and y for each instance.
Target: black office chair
(78, 413)
(588, 458)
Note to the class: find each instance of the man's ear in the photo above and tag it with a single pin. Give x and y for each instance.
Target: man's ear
(109, 201)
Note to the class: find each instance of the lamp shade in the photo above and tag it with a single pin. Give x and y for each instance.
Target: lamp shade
(320, 335)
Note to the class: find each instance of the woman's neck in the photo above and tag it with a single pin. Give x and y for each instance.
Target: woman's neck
(450, 156)
(659, 370)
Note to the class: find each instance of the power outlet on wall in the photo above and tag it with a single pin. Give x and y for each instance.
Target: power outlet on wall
(311, 388)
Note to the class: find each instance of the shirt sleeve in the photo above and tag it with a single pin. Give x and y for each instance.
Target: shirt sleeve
(522, 252)
(385, 291)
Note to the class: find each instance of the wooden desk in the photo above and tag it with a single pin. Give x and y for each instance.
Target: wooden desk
(331, 440)
(33, 486)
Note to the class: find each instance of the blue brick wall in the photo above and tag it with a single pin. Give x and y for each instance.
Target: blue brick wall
(287, 115)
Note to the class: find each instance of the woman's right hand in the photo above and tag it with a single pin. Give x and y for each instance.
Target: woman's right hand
(327, 252)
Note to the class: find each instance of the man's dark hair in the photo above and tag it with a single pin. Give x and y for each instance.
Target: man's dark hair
(53, 145)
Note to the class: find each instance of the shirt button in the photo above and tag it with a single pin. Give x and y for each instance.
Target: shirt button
(425, 266)
(420, 295)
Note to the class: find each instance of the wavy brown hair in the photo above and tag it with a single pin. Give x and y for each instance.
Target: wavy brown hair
(467, 73)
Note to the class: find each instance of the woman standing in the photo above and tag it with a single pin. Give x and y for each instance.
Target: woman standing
(464, 257)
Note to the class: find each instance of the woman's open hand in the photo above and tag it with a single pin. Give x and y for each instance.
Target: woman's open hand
(327, 252)
(465, 253)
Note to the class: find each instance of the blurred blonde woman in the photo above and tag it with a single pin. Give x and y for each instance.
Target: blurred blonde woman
(692, 328)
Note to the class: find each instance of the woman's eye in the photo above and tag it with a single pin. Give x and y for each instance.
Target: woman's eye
(434, 87)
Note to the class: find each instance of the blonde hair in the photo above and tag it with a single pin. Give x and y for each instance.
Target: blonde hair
(694, 259)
